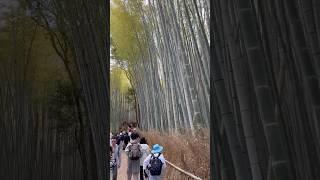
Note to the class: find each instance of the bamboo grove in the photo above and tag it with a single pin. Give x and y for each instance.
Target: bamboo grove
(263, 83)
(122, 110)
(54, 89)
(265, 89)
(163, 46)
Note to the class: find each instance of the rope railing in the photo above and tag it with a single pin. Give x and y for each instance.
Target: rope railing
(183, 171)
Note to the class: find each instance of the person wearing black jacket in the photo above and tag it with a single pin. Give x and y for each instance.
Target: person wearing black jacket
(119, 139)
(126, 139)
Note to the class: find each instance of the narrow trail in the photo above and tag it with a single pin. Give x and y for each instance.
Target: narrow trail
(122, 171)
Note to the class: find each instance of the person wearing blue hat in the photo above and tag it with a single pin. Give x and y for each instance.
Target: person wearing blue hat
(155, 164)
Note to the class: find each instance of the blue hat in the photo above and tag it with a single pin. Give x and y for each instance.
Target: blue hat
(156, 149)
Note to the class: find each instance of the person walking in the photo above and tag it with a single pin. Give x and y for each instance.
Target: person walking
(155, 164)
(145, 152)
(134, 152)
(110, 137)
(116, 159)
(111, 162)
(126, 139)
(120, 140)
(129, 132)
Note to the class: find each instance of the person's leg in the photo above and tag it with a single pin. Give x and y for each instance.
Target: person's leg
(129, 174)
(111, 172)
(115, 173)
(141, 172)
(135, 176)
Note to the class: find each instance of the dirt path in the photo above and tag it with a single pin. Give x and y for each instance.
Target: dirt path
(122, 171)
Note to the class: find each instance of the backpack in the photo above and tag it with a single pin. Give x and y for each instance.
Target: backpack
(135, 151)
(155, 165)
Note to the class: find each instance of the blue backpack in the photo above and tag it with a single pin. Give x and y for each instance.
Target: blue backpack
(155, 165)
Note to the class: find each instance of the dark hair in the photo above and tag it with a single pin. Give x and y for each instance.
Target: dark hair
(143, 141)
(114, 137)
(134, 136)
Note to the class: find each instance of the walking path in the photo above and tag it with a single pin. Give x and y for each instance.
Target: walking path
(122, 171)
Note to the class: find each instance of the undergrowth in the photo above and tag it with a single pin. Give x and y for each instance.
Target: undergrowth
(190, 153)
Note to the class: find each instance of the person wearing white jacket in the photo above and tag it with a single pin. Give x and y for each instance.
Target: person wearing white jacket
(145, 152)
(156, 153)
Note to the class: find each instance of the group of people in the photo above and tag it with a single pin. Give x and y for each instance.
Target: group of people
(143, 162)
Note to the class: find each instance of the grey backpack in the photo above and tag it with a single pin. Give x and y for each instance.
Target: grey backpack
(135, 152)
